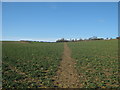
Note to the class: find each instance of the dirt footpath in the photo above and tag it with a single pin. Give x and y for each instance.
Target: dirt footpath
(67, 75)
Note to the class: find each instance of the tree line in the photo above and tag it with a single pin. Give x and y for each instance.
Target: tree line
(77, 40)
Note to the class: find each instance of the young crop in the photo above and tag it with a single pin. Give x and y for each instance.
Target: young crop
(30, 64)
(96, 63)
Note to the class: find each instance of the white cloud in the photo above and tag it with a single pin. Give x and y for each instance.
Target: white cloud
(27, 38)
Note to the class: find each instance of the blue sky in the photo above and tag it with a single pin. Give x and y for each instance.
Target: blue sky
(54, 20)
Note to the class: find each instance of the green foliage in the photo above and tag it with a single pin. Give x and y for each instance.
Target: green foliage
(96, 63)
(30, 64)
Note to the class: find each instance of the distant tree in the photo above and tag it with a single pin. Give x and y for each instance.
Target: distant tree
(101, 38)
(70, 40)
(117, 37)
(95, 38)
(75, 40)
(107, 38)
(110, 38)
(86, 39)
(62, 40)
(80, 39)
(89, 39)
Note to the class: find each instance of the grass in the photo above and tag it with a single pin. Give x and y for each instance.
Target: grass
(96, 63)
(30, 64)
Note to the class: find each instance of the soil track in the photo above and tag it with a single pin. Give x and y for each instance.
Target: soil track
(67, 75)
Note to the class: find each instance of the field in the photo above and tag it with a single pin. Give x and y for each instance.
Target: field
(96, 63)
(30, 64)
(36, 64)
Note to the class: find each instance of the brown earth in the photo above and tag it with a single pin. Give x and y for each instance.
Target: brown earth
(67, 76)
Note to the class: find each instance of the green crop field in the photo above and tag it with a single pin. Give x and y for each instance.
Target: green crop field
(34, 65)
(30, 64)
(96, 63)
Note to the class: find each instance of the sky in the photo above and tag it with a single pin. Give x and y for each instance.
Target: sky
(60, 0)
(49, 21)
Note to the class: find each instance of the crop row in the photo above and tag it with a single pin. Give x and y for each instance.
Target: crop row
(30, 64)
(96, 63)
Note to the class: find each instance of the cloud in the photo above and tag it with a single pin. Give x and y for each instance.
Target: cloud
(28, 38)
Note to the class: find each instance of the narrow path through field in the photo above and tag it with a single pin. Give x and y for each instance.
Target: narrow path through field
(67, 75)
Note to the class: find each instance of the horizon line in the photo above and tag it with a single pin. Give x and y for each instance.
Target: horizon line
(55, 39)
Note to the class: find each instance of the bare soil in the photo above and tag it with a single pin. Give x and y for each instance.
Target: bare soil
(67, 76)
